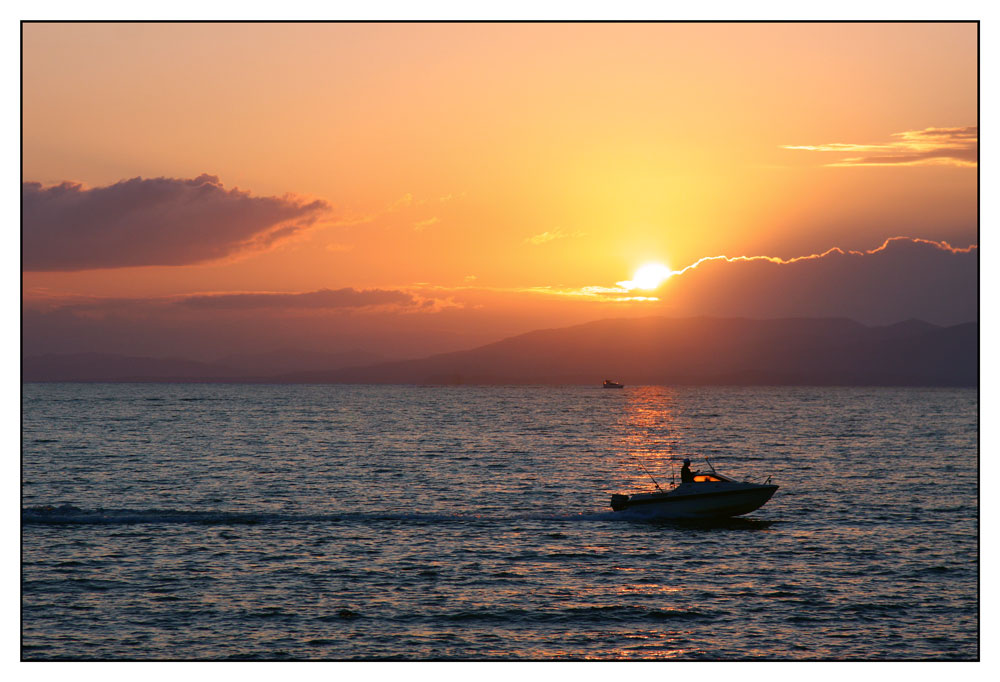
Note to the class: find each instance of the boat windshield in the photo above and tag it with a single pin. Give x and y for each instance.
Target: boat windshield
(704, 478)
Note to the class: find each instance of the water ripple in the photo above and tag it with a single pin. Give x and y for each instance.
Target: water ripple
(217, 522)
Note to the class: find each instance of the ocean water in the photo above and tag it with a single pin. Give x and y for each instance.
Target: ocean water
(233, 522)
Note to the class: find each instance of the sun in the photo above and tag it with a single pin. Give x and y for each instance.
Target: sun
(648, 276)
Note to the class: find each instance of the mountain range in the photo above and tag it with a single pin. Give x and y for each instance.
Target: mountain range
(652, 350)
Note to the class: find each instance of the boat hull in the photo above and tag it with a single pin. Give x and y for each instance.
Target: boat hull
(714, 504)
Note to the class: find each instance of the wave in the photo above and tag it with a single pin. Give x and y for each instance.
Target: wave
(572, 615)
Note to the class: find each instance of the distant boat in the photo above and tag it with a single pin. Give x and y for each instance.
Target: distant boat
(612, 384)
(708, 496)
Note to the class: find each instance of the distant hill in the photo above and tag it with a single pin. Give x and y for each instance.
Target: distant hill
(653, 350)
(702, 350)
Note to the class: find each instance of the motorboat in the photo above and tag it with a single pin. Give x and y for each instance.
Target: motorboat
(709, 496)
(612, 384)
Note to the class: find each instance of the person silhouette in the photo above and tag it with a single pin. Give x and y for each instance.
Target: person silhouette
(687, 476)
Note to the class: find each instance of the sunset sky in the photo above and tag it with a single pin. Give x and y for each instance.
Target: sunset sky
(413, 188)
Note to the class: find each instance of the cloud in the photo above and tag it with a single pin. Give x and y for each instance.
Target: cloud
(208, 326)
(550, 236)
(896, 242)
(268, 303)
(406, 209)
(152, 221)
(320, 299)
(602, 294)
(902, 278)
(927, 147)
(420, 225)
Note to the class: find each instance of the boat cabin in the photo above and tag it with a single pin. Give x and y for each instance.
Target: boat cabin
(705, 478)
(711, 478)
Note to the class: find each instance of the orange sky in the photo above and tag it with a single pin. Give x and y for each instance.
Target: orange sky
(508, 156)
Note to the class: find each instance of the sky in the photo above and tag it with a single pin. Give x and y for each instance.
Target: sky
(195, 189)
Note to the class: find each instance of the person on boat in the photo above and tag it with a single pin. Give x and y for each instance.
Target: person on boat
(687, 476)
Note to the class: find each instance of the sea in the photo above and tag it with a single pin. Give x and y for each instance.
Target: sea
(206, 522)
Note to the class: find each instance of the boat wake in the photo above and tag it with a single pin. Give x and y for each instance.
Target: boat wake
(70, 515)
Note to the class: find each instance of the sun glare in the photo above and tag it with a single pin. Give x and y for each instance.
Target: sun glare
(648, 276)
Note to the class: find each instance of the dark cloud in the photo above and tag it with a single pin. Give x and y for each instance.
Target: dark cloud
(321, 299)
(903, 278)
(152, 221)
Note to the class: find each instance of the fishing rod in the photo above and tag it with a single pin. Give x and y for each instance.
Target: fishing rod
(672, 458)
(639, 461)
(647, 473)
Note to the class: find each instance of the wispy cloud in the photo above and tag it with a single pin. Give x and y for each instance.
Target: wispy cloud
(927, 147)
(421, 225)
(406, 209)
(471, 290)
(211, 324)
(547, 236)
(320, 299)
(266, 302)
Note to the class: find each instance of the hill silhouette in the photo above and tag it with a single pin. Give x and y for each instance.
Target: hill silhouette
(652, 350)
(703, 350)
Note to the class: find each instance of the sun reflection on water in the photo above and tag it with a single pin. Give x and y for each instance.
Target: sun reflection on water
(648, 432)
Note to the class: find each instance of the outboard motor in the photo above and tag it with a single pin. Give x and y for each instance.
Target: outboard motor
(619, 502)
